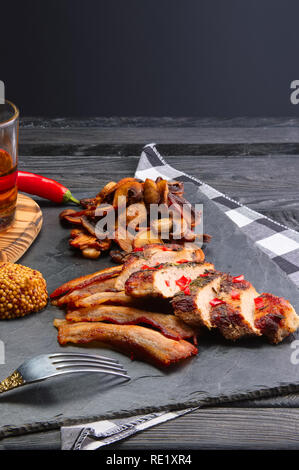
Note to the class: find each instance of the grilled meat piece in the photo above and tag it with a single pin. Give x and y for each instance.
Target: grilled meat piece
(275, 317)
(194, 308)
(106, 285)
(136, 341)
(104, 298)
(234, 313)
(84, 281)
(164, 280)
(169, 325)
(153, 254)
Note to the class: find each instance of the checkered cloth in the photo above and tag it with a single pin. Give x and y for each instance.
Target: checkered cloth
(276, 240)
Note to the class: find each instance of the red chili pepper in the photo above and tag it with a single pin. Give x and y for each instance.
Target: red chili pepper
(167, 283)
(259, 302)
(181, 261)
(164, 248)
(204, 275)
(216, 301)
(138, 249)
(183, 282)
(44, 187)
(238, 278)
(187, 291)
(145, 266)
(235, 295)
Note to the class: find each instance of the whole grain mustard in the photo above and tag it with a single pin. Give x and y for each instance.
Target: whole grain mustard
(22, 291)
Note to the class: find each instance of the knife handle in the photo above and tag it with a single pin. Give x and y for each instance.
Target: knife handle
(13, 381)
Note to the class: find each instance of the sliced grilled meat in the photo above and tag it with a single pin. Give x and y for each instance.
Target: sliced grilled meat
(153, 254)
(165, 280)
(136, 341)
(171, 326)
(233, 308)
(194, 307)
(275, 317)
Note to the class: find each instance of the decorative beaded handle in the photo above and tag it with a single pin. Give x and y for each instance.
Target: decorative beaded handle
(13, 381)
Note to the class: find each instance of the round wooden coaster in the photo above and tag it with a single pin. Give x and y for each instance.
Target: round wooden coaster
(17, 238)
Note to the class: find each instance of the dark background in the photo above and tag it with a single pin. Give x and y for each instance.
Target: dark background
(220, 58)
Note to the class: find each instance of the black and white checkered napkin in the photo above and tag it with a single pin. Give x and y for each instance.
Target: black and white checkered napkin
(276, 240)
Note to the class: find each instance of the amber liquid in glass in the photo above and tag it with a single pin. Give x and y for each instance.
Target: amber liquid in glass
(8, 189)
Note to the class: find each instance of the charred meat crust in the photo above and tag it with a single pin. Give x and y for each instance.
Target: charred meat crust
(275, 318)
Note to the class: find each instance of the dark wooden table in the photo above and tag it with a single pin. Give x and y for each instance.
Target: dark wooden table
(256, 161)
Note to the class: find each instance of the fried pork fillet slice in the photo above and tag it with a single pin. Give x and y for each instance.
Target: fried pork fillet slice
(153, 254)
(83, 281)
(233, 309)
(119, 298)
(194, 307)
(106, 285)
(275, 317)
(135, 341)
(165, 280)
(171, 326)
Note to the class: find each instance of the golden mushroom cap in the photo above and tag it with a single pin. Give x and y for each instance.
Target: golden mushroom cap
(22, 291)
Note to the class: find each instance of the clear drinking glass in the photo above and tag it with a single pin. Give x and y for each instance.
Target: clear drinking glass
(9, 135)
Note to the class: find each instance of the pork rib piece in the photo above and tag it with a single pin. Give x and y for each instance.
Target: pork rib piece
(165, 280)
(153, 254)
(194, 308)
(234, 314)
(136, 341)
(275, 317)
(169, 325)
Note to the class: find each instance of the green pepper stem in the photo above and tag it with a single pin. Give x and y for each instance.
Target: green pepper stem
(68, 197)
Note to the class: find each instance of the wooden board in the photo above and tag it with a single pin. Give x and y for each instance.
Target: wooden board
(20, 235)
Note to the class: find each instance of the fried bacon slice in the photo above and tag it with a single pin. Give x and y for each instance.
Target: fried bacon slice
(104, 298)
(275, 317)
(84, 281)
(135, 341)
(106, 285)
(171, 326)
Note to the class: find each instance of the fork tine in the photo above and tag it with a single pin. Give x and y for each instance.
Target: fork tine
(85, 362)
(94, 369)
(86, 358)
(94, 356)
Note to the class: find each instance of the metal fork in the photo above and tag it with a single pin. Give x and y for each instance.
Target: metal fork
(44, 366)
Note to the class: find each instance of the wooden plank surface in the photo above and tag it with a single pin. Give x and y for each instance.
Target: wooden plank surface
(214, 428)
(238, 157)
(18, 237)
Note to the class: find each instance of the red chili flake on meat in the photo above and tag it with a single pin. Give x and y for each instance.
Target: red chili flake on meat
(235, 295)
(164, 248)
(138, 249)
(181, 261)
(259, 302)
(187, 291)
(145, 266)
(204, 275)
(183, 282)
(167, 283)
(238, 278)
(216, 301)
(159, 266)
